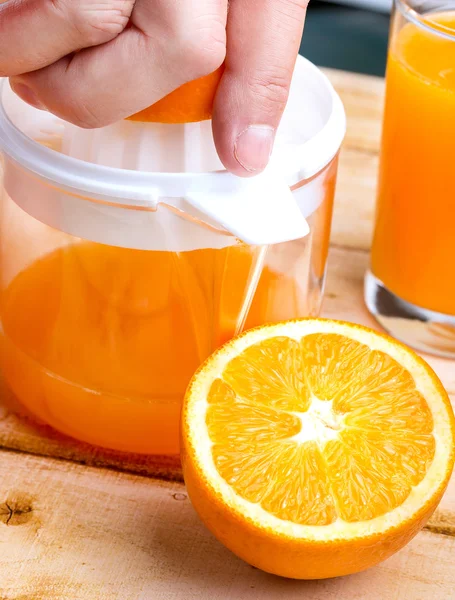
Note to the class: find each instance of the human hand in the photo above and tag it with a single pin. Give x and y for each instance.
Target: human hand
(94, 63)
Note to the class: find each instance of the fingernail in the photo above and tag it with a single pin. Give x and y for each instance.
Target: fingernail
(26, 94)
(253, 147)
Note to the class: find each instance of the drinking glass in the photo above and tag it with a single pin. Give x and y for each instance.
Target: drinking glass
(410, 287)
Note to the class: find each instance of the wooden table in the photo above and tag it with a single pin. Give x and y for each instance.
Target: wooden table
(78, 523)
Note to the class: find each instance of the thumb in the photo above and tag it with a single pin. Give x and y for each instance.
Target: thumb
(262, 47)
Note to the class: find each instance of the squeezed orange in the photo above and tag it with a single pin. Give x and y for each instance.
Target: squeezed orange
(100, 342)
(414, 241)
(191, 102)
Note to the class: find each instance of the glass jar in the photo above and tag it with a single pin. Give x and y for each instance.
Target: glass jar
(109, 302)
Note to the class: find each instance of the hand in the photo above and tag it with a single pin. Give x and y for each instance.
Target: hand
(93, 63)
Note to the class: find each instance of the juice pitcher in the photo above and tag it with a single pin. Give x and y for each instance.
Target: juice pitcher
(127, 255)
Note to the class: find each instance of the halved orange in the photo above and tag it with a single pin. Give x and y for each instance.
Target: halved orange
(189, 103)
(316, 448)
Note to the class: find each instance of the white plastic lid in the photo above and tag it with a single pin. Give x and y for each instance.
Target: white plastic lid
(259, 210)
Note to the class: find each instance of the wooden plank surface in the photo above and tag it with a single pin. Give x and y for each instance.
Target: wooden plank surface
(75, 532)
(356, 189)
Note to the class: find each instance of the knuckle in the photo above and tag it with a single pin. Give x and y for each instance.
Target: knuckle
(97, 22)
(62, 90)
(270, 90)
(206, 56)
(80, 113)
(203, 50)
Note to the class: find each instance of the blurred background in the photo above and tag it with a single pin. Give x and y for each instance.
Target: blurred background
(348, 34)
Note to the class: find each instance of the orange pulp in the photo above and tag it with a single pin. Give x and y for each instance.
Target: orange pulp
(316, 448)
(414, 242)
(101, 342)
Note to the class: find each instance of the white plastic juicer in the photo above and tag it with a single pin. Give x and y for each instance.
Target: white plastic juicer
(127, 255)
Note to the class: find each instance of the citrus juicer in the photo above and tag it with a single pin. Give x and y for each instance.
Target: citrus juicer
(128, 255)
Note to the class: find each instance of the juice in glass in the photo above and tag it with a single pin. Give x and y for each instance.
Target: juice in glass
(413, 253)
(101, 341)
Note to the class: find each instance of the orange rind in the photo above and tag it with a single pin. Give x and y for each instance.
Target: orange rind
(316, 448)
(192, 102)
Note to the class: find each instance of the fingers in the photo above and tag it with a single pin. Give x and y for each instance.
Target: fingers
(263, 38)
(36, 33)
(106, 83)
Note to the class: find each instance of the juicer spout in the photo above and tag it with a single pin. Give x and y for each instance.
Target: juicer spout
(259, 211)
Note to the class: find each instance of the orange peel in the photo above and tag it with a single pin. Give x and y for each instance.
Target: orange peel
(191, 102)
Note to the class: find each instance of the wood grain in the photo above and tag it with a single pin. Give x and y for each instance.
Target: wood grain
(363, 99)
(78, 533)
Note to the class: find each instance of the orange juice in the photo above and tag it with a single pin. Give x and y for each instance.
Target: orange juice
(414, 243)
(100, 342)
